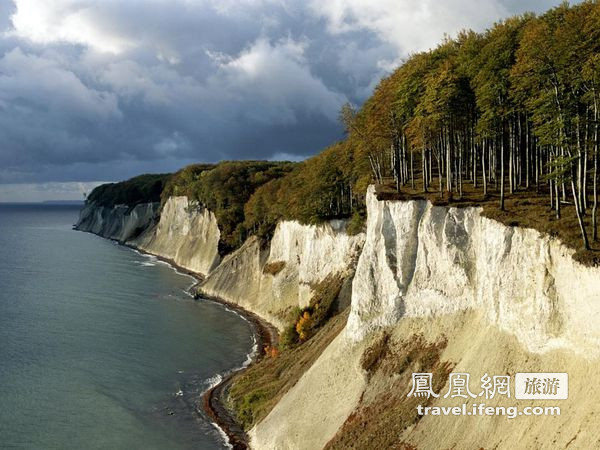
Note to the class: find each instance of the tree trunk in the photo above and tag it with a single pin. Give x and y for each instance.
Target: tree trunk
(595, 207)
(502, 145)
(584, 236)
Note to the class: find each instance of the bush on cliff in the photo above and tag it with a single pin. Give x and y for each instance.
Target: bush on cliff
(330, 185)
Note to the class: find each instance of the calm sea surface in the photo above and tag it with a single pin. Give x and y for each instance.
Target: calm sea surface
(100, 347)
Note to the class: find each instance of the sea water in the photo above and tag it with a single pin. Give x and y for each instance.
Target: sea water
(100, 346)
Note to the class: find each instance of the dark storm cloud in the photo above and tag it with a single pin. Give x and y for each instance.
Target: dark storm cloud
(96, 90)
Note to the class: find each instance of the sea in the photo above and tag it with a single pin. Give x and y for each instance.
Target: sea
(101, 347)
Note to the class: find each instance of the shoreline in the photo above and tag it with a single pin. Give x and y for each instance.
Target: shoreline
(212, 400)
(264, 334)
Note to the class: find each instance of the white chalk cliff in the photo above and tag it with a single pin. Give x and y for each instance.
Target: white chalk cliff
(189, 235)
(506, 299)
(120, 222)
(422, 260)
(186, 233)
(307, 254)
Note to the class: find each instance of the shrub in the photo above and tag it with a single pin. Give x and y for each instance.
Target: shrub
(356, 224)
(304, 326)
(271, 351)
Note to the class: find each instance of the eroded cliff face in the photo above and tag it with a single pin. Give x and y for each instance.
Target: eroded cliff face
(182, 232)
(422, 260)
(186, 233)
(281, 275)
(470, 293)
(120, 222)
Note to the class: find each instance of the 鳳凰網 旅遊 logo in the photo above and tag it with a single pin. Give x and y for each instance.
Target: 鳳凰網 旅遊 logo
(525, 386)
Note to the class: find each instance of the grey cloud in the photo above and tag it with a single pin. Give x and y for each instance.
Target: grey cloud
(187, 81)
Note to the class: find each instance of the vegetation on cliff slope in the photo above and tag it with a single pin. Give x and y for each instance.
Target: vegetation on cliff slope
(255, 391)
(328, 186)
(224, 188)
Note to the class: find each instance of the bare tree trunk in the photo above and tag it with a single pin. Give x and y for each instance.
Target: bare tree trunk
(424, 167)
(412, 173)
(584, 236)
(527, 154)
(511, 162)
(557, 199)
(595, 207)
(502, 145)
(484, 151)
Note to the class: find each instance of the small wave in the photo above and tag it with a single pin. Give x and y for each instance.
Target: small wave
(212, 382)
(226, 308)
(222, 434)
(250, 356)
(155, 260)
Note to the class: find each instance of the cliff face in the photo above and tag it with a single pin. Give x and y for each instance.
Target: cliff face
(451, 286)
(500, 299)
(272, 280)
(268, 279)
(421, 260)
(186, 234)
(120, 222)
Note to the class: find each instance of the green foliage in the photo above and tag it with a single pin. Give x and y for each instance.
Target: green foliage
(182, 182)
(141, 189)
(561, 168)
(224, 189)
(249, 404)
(321, 188)
(356, 224)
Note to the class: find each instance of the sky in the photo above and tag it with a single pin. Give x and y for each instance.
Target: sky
(94, 91)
